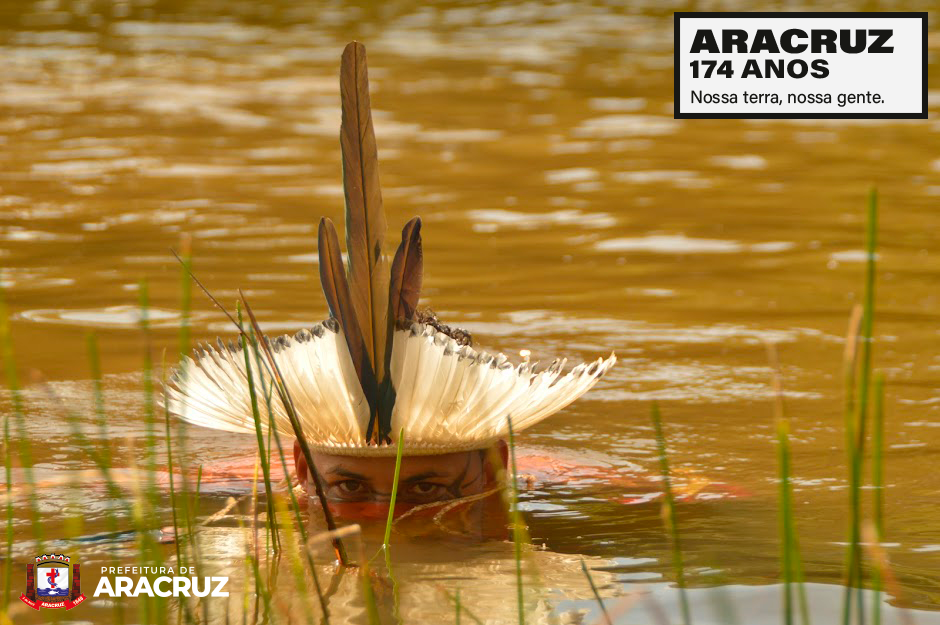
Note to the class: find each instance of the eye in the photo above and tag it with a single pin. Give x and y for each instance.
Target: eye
(350, 490)
(351, 487)
(425, 492)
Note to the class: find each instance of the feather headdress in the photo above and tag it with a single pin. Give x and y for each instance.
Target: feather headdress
(373, 368)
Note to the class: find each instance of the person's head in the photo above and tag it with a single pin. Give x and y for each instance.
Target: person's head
(422, 479)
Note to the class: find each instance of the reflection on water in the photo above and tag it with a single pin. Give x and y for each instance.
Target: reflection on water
(566, 213)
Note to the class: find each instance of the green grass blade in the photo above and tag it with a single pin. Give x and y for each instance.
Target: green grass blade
(597, 595)
(878, 482)
(262, 453)
(669, 511)
(293, 548)
(149, 411)
(186, 291)
(786, 518)
(868, 314)
(188, 505)
(261, 589)
(790, 559)
(461, 607)
(174, 504)
(169, 468)
(94, 360)
(151, 553)
(368, 593)
(267, 392)
(517, 526)
(8, 474)
(396, 595)
(851, 384)
(288, 404)
(13, 384)
(859, 418)
(19, 412)
(391, 505)
(185, 339)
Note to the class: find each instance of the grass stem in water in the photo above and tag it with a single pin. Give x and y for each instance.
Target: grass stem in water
(517, 526)
(669, 514)
(271, 517)
(878, 484)
(597, 596)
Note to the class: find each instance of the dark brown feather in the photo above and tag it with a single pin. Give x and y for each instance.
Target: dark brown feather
(403, 293)
(336, 290)
(365, 218)
(407, 272)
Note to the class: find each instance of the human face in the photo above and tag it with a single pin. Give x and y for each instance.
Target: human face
(423, 479)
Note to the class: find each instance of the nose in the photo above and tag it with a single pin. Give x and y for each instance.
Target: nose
(361, 510)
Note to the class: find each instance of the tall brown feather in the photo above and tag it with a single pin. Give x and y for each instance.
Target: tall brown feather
(407, 272)
(365, 218)
(336, 290)
(403, 293)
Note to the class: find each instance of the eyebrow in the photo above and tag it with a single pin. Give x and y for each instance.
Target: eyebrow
(349, 474)
(423, 476)
(419, 477)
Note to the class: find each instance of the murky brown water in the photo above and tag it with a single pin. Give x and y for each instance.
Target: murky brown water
(565, 212)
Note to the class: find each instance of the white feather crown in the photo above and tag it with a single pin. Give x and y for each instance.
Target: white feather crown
(448, 397)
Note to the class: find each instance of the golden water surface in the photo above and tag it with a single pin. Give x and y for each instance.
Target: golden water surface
(565, 212)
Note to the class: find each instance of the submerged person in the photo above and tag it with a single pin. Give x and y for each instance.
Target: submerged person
(423, 479)
(378, 371)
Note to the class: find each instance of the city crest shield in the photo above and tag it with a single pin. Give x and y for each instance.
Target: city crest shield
(52, 582)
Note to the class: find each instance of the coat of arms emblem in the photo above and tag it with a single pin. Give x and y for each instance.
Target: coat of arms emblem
(52, 582)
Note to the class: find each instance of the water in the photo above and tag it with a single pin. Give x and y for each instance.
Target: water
(565, 212)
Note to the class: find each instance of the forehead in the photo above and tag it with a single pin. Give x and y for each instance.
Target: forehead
(442, 465)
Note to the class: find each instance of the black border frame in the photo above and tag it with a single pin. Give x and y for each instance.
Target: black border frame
(678, 15)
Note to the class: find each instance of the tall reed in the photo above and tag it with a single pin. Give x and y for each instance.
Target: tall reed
(597, 596)
(396, 591)
(262, 590)
(878, 484)
(791, 561)
(461, 607)
(267, 393)
(286, 401)
(288, 404)
(150, 552)
(149, 412)
(293, 547)
(271, 519)
(23, 444)
(8, 476)
(6, 345)
(517, 524)
(669, 514)
(368, 593)
(391, 505)
(170, 476)
(175, 501)
(187, 507)
(856, 422)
